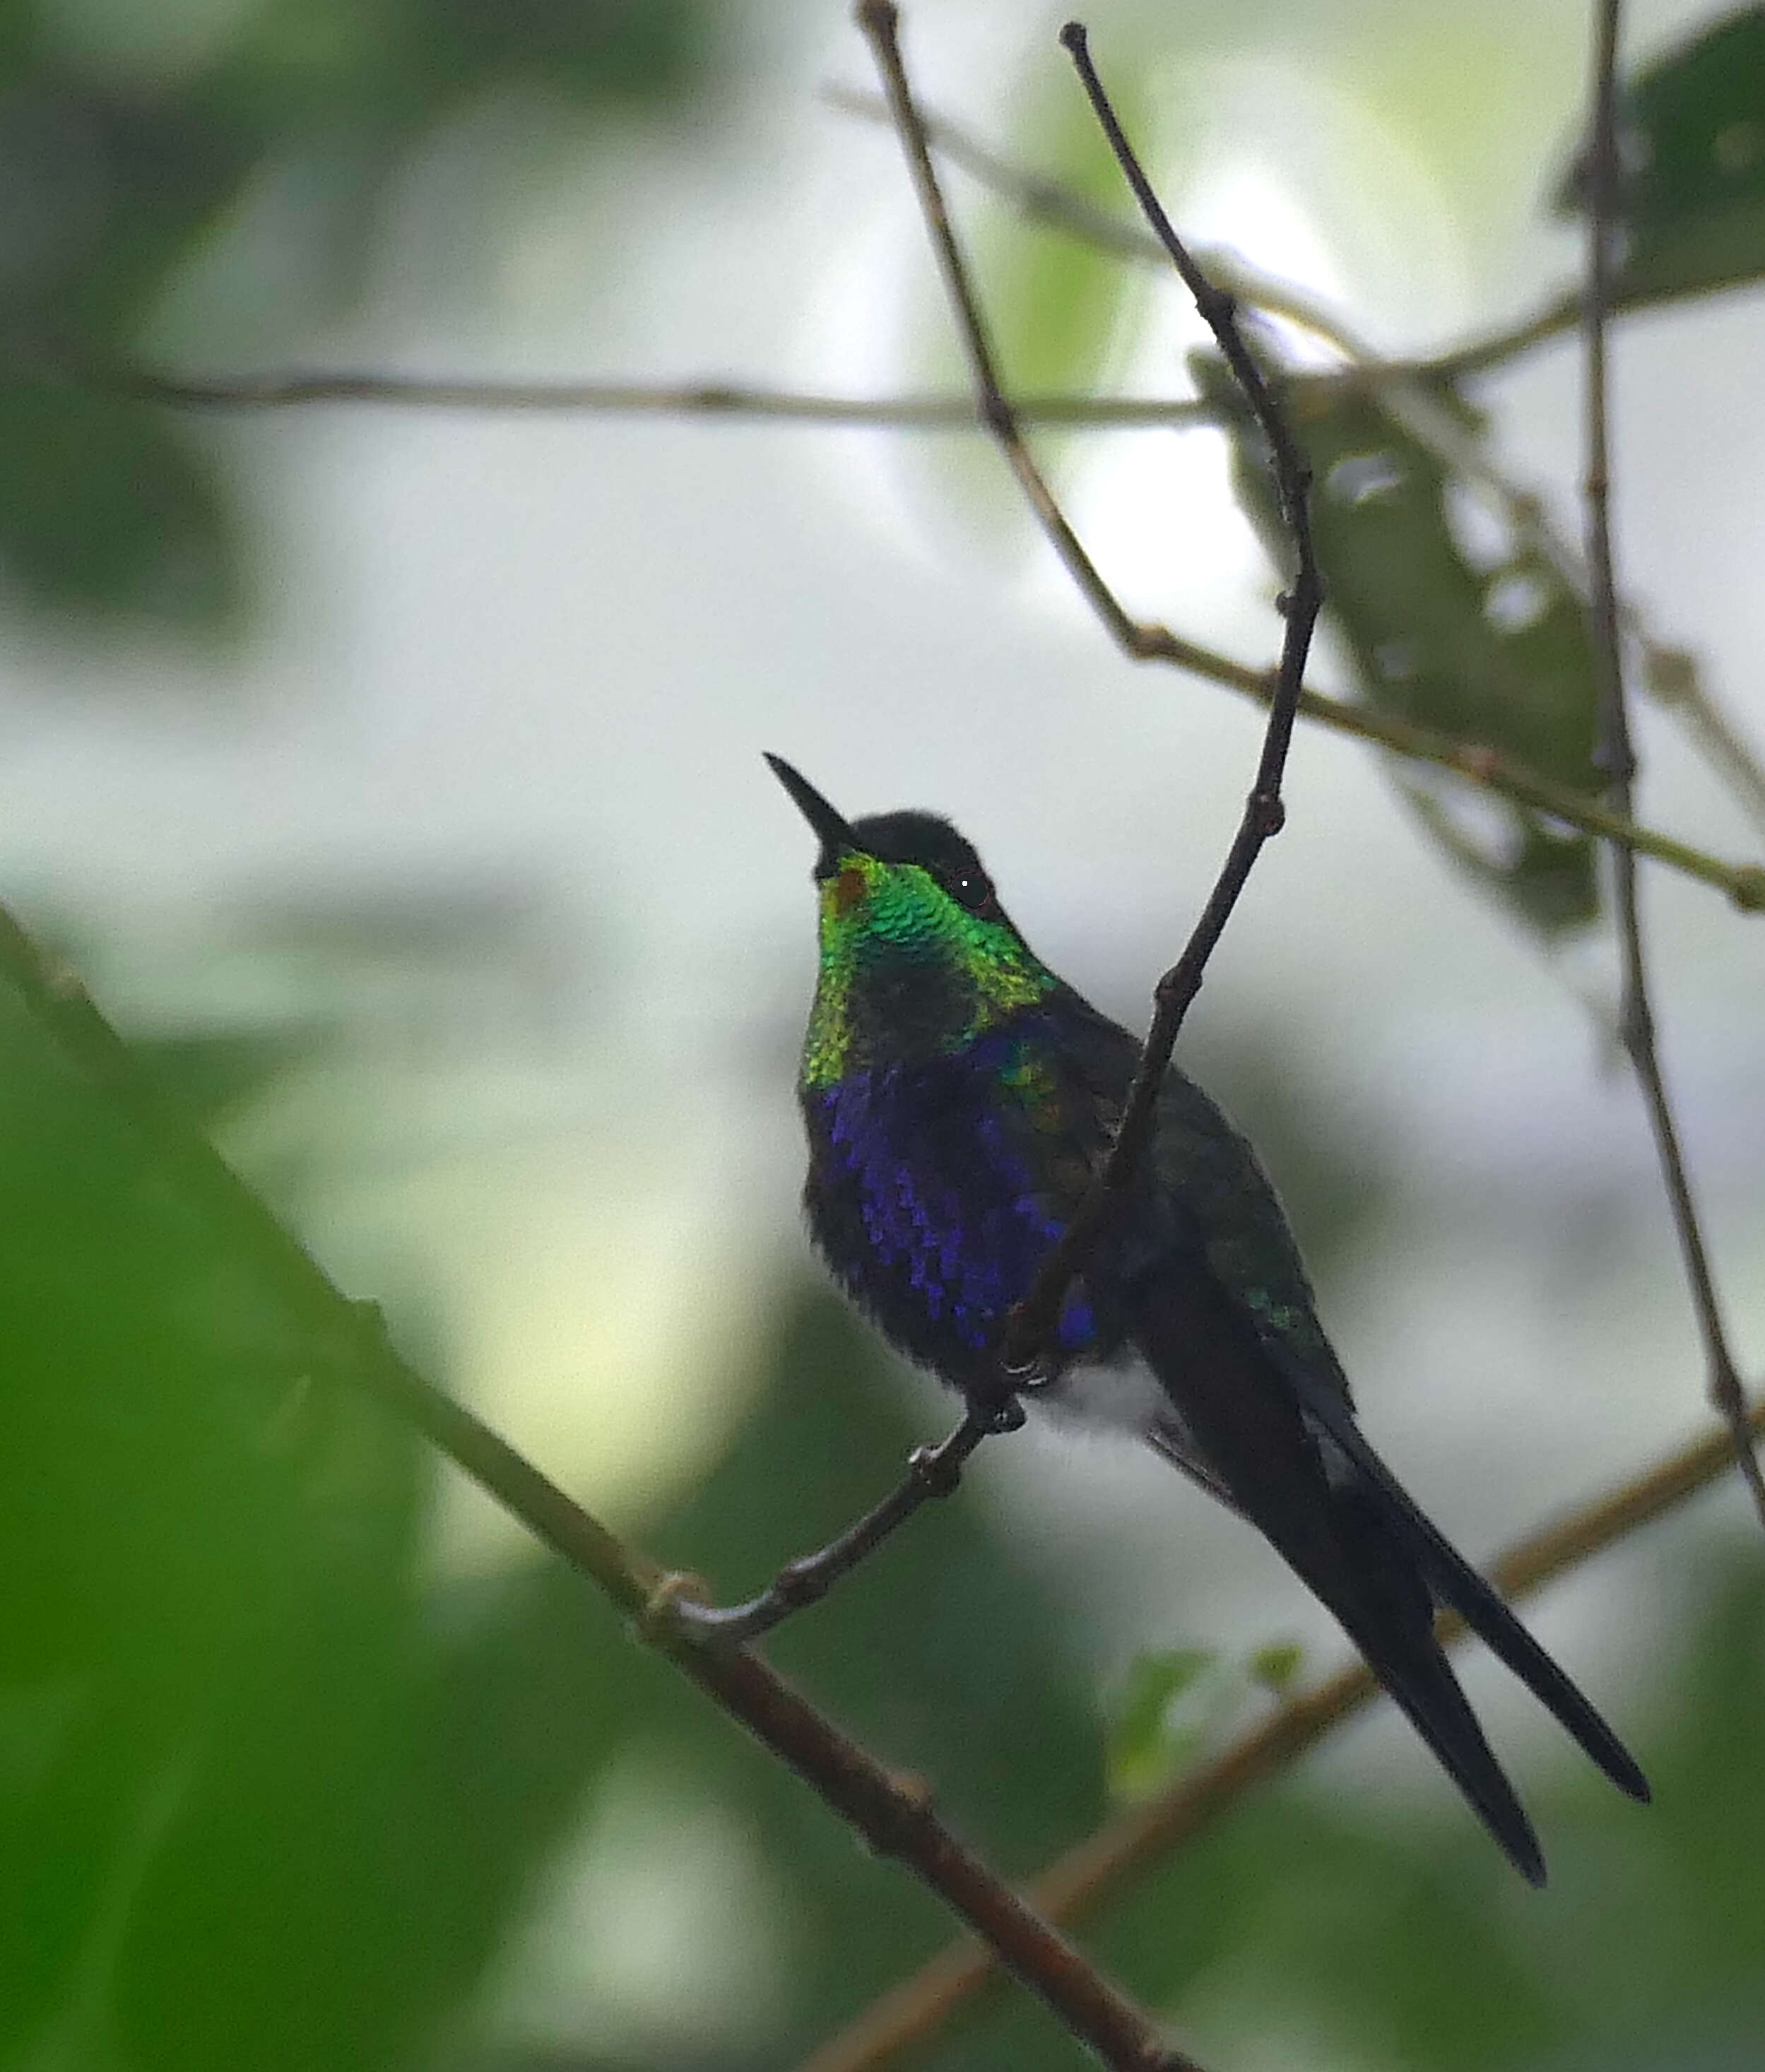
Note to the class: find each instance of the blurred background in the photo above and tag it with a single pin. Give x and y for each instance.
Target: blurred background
(392, 776)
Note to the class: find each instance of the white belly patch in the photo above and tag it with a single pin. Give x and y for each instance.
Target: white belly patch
(1124, 1396)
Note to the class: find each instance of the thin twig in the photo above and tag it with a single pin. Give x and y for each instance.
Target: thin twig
(1490, 768)
(707, 399)
(1495, 771)
(1501, 348)
(932, 1471)
(1410, 392)
(911, 2013)
(894, 1815)
(1617, 756)
(1033, 1324)
(1676, 682)
(879, 21)
(1051, 202)
(1559, 317)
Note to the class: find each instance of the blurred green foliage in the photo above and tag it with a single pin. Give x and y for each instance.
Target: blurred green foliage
(1060, 311)
(1157, 1723)
(1489, 644)
(127, 134)
(1692, 172)
(269, 1794)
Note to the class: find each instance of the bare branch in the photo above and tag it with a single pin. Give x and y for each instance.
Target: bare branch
(932, 1471)
(691, 399)
(1033, 1325)
(1409, 392)
(911, 2013)
(1617, 757)
(880, 26)
(1052, 203)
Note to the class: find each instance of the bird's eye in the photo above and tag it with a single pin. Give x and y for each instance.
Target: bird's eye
(973, 889)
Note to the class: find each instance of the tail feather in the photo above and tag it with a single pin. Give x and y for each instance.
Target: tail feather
(1457, 1584)
(1288, 1454)
(1394, 1628)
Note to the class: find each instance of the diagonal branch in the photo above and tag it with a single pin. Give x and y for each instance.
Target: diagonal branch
(910, 2013)
(879, 20)
(932, 1471)
(1057, 206)
(1031, 1328)
(1617, 756)
(894, 1816)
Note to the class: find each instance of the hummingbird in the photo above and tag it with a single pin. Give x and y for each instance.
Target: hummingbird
(959, 1099)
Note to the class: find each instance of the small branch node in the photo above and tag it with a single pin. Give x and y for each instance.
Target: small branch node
(937, 1473)
(659, 1617)
(1748, 889)
(797, 1583)
(1175, 992)
(1267, 814)
(997, 417)
(914, 1790)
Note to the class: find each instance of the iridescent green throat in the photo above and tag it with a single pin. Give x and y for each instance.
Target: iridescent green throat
(907, 972)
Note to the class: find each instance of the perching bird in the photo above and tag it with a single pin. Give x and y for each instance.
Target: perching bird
(958, 1098)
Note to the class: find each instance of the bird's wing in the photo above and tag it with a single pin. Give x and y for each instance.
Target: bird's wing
(1202, 1186)
(1204, 1166)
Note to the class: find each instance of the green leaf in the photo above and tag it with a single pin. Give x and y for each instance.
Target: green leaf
(1691, 186)
(1152, 1731)
(1496, 649)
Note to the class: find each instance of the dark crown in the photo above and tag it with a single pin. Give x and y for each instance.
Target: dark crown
(916, 837)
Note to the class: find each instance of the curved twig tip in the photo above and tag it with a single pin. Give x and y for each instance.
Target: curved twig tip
(1072, 36)
(1748, 889)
